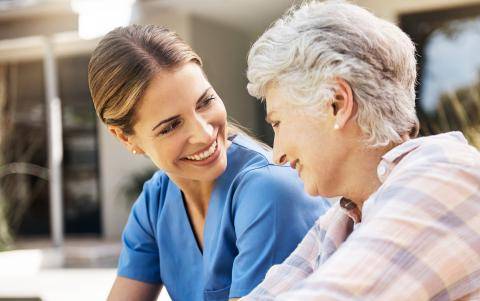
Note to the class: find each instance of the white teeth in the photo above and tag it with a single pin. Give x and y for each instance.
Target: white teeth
(205, 154)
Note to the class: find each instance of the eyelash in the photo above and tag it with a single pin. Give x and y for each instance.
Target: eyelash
(174, 124)
(275, 124)
(205, 102)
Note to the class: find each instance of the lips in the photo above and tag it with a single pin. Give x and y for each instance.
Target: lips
(202, 155)
(293, 164)
(296, 165)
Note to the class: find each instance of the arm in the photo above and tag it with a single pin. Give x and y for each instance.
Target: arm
(125, 289)
(139, 263)
(299, 265)
(272, 214)
(421, 243)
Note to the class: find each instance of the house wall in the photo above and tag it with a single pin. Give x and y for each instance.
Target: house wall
(224, 51)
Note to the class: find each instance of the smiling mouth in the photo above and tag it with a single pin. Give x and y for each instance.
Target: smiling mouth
(296, 165)
(205, 154)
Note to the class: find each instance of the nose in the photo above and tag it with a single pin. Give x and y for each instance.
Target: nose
(201, 131)
(279, 157)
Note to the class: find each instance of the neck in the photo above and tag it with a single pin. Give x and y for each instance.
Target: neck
(361, 173)
(196, 194)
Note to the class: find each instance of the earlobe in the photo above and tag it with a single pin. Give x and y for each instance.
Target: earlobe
(137, 151)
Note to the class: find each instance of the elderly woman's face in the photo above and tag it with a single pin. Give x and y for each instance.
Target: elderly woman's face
(307, 141)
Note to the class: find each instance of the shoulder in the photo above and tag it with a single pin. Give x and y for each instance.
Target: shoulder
(278, 176)
(152, 197)
(246, 152)
(269, 179)
(157, 183)
(441, 172)
(258, 164)
(155, 187)
(449, 148)
(426, 158)
(253, 167)
(274, 186)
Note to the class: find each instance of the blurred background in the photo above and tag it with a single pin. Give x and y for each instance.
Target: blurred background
(66, 186)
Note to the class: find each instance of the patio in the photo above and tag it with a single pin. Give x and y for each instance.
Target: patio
(84, 270)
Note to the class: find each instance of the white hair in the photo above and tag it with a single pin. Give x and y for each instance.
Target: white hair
(310, 46)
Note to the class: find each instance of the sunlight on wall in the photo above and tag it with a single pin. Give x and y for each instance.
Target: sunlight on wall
(97, 17)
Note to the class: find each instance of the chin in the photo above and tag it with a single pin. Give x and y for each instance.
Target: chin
(214, 172)
(311, 189)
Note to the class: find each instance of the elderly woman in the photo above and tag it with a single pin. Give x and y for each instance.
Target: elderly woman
(339, 85)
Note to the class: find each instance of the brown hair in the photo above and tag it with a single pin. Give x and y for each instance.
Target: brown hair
(123, 64)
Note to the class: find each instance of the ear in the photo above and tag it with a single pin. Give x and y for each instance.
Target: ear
(126, 140)
(343, 107)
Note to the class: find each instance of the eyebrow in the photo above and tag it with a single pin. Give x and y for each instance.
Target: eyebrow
(176, 116)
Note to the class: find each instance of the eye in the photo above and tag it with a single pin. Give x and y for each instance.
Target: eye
(170, 127)
(205, 102)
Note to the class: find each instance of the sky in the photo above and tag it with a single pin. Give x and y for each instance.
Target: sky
(451, 62)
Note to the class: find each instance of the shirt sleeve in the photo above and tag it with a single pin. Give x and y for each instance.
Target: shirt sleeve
(272, 214)
(422, 243)
(295, 268)
(139, 259)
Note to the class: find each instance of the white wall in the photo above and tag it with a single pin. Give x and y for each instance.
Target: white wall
(117, 165)
(224, 53)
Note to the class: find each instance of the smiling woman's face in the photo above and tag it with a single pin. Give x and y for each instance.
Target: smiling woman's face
(181, 125)
(308, 142)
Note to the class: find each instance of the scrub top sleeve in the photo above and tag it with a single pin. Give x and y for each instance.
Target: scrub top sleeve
(271, 216)
(139, 259)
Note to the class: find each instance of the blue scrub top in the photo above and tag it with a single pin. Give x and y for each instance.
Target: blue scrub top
(257, 215)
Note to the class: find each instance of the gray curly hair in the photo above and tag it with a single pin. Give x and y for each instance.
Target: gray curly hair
(313, 44)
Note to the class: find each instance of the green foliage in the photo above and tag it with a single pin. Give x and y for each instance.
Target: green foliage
(457, 111)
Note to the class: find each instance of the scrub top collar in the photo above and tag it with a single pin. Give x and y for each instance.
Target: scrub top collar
(176, 195)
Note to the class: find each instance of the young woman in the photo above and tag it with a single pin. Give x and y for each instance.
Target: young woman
(218, 213)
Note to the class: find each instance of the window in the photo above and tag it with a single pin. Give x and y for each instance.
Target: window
(449, 87)
(25, 140)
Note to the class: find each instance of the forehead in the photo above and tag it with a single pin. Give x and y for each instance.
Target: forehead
(182, 82)
(276, 100)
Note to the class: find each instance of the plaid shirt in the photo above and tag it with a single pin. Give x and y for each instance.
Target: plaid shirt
(419, 237)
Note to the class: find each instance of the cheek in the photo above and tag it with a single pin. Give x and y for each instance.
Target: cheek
(221, 112)
(217, 114)
(287, 132)
(165, 154)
